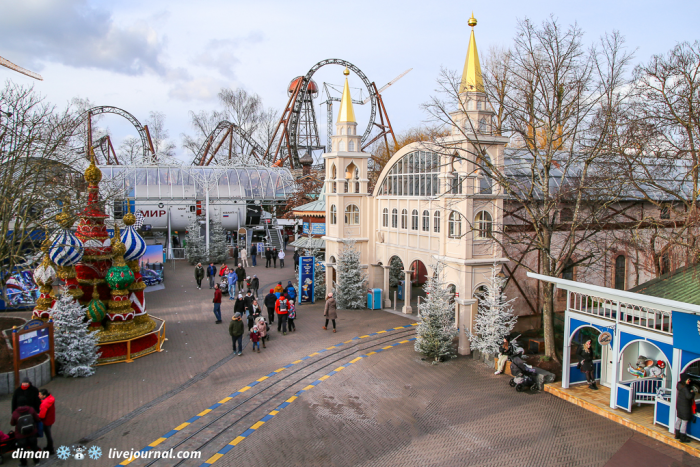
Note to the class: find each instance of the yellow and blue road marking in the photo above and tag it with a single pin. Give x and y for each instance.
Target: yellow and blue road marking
(253, 384)
(286, 403)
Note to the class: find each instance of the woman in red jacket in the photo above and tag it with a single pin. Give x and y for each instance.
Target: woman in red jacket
(47, 414)
(217, 303)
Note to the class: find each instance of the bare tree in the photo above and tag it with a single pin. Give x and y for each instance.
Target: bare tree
(160, 135)
(658, 144)
(558, 117)
(130, 150)
(498, 84)
(37, 172)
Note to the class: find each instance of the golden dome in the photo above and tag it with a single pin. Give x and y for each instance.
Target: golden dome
(129, 219)
(346, 72)
(93, 175)
(472, 20)
(64, 219)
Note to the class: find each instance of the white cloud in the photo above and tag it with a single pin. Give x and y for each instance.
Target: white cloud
(202, 89)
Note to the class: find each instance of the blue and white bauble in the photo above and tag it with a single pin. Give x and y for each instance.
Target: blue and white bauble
(134, 243)
(66, 249)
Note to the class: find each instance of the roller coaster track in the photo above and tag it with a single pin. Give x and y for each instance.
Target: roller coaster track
(203, 156)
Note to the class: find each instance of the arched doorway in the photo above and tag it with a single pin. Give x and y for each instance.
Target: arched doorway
(419, 276)
(396, 276)
(331, 260)
(692, 370)
(578, 338)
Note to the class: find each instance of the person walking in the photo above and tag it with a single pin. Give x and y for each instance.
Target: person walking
(223, 271)
(684, 408)
(330, 311)
(232, 280)
(254, 313)
(244, 258)
(235, 255)
(255, 285)
(285, 240)
(217, 303)
(270, 302)
(29, 392)
(235, 329)
(199, 275)
(282, 310)
(255, 339)
(254, 254)
(296, 260)
(239, 305)
(268, 257)
(586, 355)
(291, 316)
(291, 292)
(281, 256)
(211, 274)
(25, 418)
(275, 255)
(261, 325)
(47, 414)
(505, 350)
(240, 272)
(279, 289)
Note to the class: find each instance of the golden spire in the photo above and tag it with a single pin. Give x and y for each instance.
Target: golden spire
(346, 114)
(471, 76)
(93, 175)
(129, 218)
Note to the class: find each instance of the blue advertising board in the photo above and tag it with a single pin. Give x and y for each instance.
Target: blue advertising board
(314, 228)
(306, 279)
(686, 331)
(34, 342)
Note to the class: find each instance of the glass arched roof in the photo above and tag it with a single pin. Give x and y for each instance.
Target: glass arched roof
(250, 182)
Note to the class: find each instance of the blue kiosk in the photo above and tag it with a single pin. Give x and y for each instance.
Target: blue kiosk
(641, 358)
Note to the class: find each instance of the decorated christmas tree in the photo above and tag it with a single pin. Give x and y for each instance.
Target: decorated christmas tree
(351, 288)
(194, 249)
(218, 249)
(436, 330)
(75, 346)
(494, 319)
(396, 273)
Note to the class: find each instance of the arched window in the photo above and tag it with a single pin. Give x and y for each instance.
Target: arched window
(436, 222)
(485, 182)
(385, 217)
(334, 214)
(357, 179)
(484, 225)
(454, 225)
(426, 221)
(404, 218)
(414, 219)
(333, 177)
(620, 272)
(341, 146)
(351, 146)
(352, 215)
(342, 130)
(394, 218)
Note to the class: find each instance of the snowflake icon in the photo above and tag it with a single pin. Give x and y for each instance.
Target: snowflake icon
(95, 452)
(63, 453)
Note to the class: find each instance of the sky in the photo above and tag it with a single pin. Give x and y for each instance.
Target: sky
(174, 56)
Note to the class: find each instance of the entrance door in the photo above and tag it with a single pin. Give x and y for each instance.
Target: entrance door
(606, 366)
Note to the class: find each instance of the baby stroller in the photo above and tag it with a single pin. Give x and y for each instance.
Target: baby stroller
(524, 377)
(223, 286)
(7, 445)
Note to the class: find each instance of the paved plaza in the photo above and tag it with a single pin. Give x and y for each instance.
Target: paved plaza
(361, 396)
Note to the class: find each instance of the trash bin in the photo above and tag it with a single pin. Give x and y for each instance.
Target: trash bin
(402, 284)
(374, 299)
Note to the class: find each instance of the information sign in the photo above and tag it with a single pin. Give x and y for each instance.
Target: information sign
(306, 279)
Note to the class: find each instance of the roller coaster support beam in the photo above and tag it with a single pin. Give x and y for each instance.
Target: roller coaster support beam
(385, 129)
(283, 124)
(150, 141)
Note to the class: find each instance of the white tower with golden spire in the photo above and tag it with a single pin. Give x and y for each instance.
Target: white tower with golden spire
(475, 114)
(346, 185)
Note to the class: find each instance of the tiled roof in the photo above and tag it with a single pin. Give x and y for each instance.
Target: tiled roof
(314, 206)
(682, 285)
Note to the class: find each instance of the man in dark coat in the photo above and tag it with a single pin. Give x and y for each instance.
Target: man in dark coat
(29, 392)
(274, 256)
(25, 434)
(240, 272)
(285, 240)
(199, 275)
(268, 257)
(211, 274)
(235, 255)
(254, 254)
(270, 302)
(296, 260)
(684, 408)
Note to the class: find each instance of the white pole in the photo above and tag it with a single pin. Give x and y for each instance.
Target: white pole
(206, 187)
(170, 237)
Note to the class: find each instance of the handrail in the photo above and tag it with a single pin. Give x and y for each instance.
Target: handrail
(160, 331)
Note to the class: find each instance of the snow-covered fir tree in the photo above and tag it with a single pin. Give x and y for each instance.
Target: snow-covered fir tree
(396, 273)
(436, 330)
(494, 319)
(75, 346)
(218, 248)
(194, 244)
(351, 288)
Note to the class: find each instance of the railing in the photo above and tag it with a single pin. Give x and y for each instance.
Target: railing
(644, 390)
(159, 331)
(633, 315)
(178, 253)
